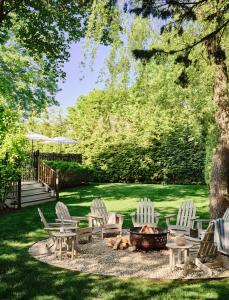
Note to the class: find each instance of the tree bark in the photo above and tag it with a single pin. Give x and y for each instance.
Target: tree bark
(219, 187)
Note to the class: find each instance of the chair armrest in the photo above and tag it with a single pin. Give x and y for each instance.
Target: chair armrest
(202, 220)
(55, 224)
(65, 221)
(95, 217)
(191, 239)
(120, 215)
(61, 221)
(80, 218)
(52, 228)
(195, 218)
(61, 227)
(170, 216)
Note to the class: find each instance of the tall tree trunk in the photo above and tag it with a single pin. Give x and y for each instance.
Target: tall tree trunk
(219, 187)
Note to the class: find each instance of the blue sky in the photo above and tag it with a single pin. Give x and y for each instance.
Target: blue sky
(73, 87)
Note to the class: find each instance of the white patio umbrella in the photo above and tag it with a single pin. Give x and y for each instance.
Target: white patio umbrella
(33, 136)
(61, 140)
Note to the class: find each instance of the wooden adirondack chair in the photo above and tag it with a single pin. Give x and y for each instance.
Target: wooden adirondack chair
(54, 227)
(145, 214)
(64, 217)
(108, 222)
(200, 222)
(185, 219)
(204, 249)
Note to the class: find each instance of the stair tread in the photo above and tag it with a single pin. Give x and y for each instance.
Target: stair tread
(37, 200)
(32, 188)
(39, 196)
(34, 194)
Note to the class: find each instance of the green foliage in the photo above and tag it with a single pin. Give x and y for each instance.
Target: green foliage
(154, 131)
(12, 145)
(45, 28)
(23, 82)
(64, 166)
(71, 174)
(173, 157)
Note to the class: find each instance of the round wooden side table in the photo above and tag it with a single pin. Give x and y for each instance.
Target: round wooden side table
(65, 243)
(181, 251)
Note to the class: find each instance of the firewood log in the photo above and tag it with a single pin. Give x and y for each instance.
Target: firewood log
(111, 242)
(121, 246)
(125, 245)
(125, 239)
(117, 243)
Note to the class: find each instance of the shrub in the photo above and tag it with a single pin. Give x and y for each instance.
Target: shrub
(71, 174)
(12, 150)
(174, 157)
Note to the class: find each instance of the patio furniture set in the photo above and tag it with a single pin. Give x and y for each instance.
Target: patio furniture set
(66, 233)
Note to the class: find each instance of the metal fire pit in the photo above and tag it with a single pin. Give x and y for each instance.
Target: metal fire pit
(144, 241)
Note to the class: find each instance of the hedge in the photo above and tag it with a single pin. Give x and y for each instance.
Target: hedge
(71, 174)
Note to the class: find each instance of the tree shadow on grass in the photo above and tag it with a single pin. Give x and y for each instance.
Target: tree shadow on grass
(26, 278)
(122, 191)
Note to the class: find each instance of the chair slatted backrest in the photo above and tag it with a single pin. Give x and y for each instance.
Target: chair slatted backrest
(62, 211)
(43, 220)
(226, 215)
(98, 209)
(186, 212)
(145, 212)
(207, 245)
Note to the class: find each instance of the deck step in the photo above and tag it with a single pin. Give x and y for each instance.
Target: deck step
(37, 202)
(30, 198)
(31, 185)
(34, 193)
(27, 193)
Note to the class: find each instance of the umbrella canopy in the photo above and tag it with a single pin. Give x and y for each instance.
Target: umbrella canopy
(61, 140)
(33, 136)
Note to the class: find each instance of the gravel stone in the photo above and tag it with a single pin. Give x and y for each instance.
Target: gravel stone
(97, 258)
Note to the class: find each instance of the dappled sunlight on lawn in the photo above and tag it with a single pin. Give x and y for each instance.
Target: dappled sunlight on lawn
(22, 277)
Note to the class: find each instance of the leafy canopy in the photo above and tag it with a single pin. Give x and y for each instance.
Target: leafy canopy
(45, 28)
(23, 82)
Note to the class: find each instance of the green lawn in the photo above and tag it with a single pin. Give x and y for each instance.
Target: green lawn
(22, 277)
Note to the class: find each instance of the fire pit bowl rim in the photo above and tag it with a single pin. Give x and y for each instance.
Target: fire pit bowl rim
(161, 230)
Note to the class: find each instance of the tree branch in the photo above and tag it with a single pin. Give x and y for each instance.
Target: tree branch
(151, 53)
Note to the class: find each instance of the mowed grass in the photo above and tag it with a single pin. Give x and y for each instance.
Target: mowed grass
(22, 277)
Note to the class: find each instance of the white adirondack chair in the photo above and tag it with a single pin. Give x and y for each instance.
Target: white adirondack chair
(108, 222)
(145, 214)
(185, 219)
(64, 217)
